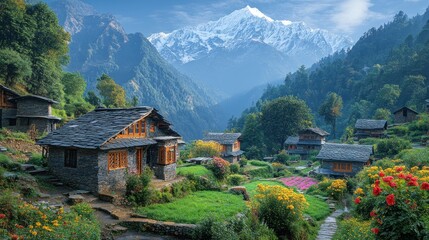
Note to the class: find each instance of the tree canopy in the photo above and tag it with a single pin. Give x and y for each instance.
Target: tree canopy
(113, 94)
(331, 110)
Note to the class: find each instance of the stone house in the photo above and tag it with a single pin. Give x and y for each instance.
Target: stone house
(365, 128)
(308, 140)
(405, 115)
(96, 151)
(22, 113)
(230, 145)
(343, 159)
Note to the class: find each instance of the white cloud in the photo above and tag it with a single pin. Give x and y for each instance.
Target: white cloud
(351, 14)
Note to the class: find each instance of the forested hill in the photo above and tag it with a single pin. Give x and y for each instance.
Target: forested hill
(386, 69)
(99, 45)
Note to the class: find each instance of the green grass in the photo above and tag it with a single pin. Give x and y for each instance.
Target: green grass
(196, 170)
(258, 163)
(318, 209)
(196, 207)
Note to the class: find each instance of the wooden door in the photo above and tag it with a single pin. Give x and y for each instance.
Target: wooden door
(139, 157)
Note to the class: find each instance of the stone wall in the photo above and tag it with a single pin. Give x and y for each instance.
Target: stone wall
(33, 107)
(400, 118)
(114, 181)
(165, 228)
(6, 114)
(84, 176)
(165, 172)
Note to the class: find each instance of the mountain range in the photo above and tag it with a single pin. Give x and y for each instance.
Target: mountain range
(245, 49)
(100, 45)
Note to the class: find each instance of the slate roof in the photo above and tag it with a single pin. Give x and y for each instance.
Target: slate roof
(234, 154)
(35, 97)
(95, 128)
(315, 130)
(370, 124)
(10, 90)
(407, 108)
(291, 140)
(127, 142)
(345, 152)
(222, 138)
(45, 117)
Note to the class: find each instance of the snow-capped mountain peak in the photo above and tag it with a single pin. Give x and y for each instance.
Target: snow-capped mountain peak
(255, 12)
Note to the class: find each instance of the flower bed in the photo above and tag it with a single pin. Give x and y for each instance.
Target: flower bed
(302, 183)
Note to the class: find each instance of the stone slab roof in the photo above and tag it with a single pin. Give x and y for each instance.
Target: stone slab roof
(10, 90)
(222, 138)
(35, 97)
(292, 140)
(345, 152)
(45, 117)
(315, 130)
(407, 108)
(127, 142)
(234, 154)
(95, 128)
(370, 124)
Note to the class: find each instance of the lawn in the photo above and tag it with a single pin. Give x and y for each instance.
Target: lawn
(196, 170)
(196, 207)
(318, 209)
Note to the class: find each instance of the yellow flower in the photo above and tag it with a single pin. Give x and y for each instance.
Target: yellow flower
(291, 207)
(359, 191)
(34, 233)
(30, 227)
(38, 224)
(47, 228)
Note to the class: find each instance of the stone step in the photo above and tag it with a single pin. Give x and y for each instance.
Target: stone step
(38, 171)
(28, 167)
(58, 184)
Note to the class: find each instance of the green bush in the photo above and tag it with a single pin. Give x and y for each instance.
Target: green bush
(236, 179)
(391, 146)
(243, 162)
(263, 172)
(400, 131)
(220, 168)
(85, 210)
(415, 157)
(201, 183)
(369, 141)
(258, 163)
(38, 159)
(354, 229)
(234, 168)
(8, 164)
(137, 188)
(384, 163)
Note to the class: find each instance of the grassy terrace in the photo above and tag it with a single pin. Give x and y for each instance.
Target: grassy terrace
(196, 206)
(196, 170)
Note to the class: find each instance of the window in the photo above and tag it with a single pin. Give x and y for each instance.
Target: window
(236, 145)
(12, 122)
(117, 160)
(152, 127)
(70, 158)
(137, 129)
(342, 167)
(167, 155)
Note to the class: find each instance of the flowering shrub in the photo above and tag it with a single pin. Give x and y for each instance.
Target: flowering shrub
(21, 220)
(337, 188)
(280, 208)
(138, 190)
(396, 200)
(220, 168)
(354, 229)
(301, 183)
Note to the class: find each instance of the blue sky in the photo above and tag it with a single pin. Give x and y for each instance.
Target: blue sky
(350, 17)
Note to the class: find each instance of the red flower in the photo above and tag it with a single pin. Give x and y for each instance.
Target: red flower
(375, 230)
(376, 190)
(414, 179)
(425, 186)
(381, 174)
(379, 221)
(377, 182)
(387, 179)
(19, 226)
(357, 200)
(2, 215)
(412, 183)
(14, 237)
(392, 184)
(372, 214)
(398, 169)
(390, 199)
(401, 175)
(408, 177)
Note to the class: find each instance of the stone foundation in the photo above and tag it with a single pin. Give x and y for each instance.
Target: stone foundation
(165, 228)
(165, 172)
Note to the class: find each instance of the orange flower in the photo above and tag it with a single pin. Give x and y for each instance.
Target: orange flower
(390, 199)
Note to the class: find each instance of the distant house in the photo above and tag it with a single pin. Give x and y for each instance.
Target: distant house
(230, 145)
(370, 128)
(96, 151)
(309, 139)
(343, 159)
(404, 115)
(22, 113)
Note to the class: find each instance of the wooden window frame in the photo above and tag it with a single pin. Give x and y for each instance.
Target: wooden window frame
(70, 158)
(117, 160)
(152, 128)
(342, 167)
(134, 130)
(167, 155)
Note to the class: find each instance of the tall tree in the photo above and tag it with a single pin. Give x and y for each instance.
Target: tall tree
(283, 117)
(113, 94)
(331, 110)
(13, 68)
(74, 86)
(388, 95)
(252, 136)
